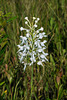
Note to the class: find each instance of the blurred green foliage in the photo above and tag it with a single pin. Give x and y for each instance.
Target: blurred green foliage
(50, 81)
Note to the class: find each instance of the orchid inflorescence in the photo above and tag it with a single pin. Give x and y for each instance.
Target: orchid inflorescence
(31, 48)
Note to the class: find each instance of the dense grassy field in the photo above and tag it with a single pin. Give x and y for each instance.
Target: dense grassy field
(48, 82)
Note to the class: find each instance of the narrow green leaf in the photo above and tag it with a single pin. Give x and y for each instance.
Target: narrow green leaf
(52, 60)
(60, 92)
(2, 83)
(11, 19)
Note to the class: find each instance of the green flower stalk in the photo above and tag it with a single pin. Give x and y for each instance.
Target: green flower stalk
(31, 48)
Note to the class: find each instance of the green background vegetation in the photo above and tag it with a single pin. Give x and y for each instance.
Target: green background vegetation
(50, 81)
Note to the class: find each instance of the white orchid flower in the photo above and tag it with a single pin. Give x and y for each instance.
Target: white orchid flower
(32, 47)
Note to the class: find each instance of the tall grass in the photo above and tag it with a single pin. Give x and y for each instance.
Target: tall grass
(50, 82)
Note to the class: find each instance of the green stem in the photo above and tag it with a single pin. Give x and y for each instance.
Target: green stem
(58, 92)
(31, 82)
(11, 91)
(32, 68)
